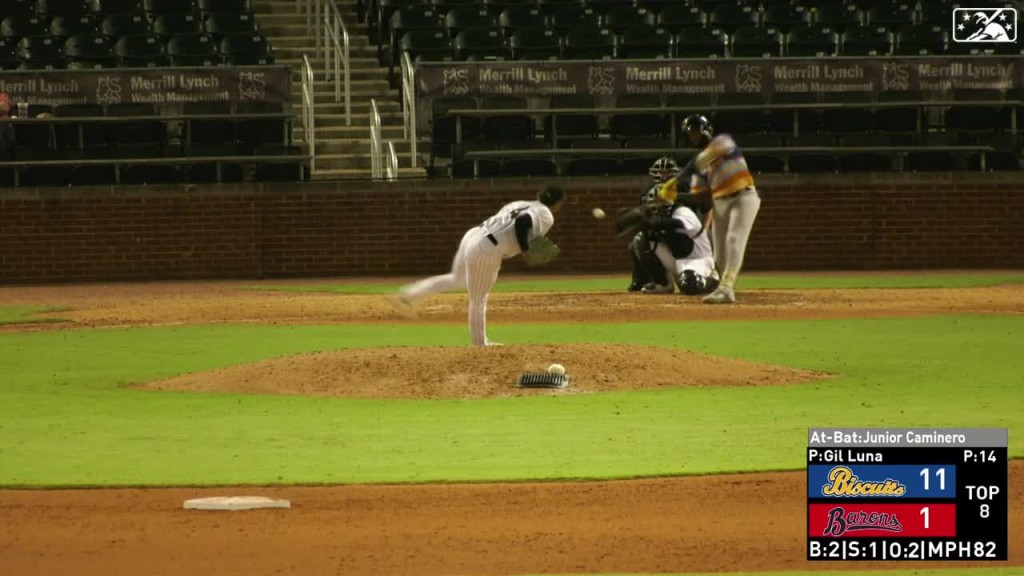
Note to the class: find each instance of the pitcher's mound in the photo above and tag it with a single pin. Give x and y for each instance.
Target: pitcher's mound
(468, 372)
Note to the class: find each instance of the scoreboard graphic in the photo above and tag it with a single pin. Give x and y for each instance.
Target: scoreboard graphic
(907, 494)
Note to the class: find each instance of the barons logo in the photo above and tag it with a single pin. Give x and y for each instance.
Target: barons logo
(840, 522)
(842, 482)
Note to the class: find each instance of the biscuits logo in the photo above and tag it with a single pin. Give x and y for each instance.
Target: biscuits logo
(840, 522)
(108, 90)
(842, 482)
(748, 78)
(895, 76)
(252, 86)
(456, 81)
(601, 80)
(984, 25)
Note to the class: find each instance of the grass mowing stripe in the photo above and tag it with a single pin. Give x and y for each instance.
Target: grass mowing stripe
(892, 372)
(12, 314)
(999, 571)
(750, 281)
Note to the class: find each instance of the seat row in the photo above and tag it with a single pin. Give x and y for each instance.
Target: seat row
(142, 50)
(922, 160)
(115, 25)
(102, 7)
(1013, 144)
(266, 163)
(638, 41)
(124, 126)
(897, 112)
(392, 20)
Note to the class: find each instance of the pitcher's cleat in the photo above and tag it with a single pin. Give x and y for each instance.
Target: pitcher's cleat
(721, 295)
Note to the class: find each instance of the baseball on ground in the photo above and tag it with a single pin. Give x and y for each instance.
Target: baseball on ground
(598, 213)
(556, 369)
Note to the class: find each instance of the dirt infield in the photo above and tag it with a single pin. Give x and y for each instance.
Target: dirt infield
(99, 305)
(745, 522)
(749, 522)
(431, 372)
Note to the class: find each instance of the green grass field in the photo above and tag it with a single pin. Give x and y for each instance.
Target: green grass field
(67, 419)
(26, 314)
(1002, 571)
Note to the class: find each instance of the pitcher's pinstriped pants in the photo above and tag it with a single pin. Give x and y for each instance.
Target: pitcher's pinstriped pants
(475, 268)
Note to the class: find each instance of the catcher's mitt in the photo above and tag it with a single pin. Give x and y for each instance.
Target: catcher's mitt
(632, 220)
(542, 251)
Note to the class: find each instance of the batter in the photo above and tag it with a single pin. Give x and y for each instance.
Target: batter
(483, 248)
(721, 171)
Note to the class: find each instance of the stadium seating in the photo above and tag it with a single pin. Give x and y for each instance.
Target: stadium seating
(785, 16)
(814, 40)
(644, 41)
(921, 39)
(86, 34)
(535, 43)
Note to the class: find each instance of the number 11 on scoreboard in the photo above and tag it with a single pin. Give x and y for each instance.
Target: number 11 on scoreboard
(940, 474)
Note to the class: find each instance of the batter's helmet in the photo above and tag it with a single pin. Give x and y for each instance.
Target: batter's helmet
(664, 169)
(700, 123)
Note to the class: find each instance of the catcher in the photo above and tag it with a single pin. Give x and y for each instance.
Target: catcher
(663, 170)
(671, 244)
(518, 228)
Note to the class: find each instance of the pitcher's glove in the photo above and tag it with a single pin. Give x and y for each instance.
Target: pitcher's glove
(542, 251)
(629, 221)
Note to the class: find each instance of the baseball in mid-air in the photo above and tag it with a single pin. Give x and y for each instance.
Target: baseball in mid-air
(557, 369)
(598, 213)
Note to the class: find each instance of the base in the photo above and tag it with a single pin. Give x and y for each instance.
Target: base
(235, 503)
(542, 380)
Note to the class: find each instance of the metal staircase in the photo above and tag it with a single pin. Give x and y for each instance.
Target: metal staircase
(342, 147)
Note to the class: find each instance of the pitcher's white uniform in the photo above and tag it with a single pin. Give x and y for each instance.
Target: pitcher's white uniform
(701, 260)
(478, 260)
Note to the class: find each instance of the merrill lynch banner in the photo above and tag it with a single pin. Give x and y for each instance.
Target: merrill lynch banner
(149, 85)
(616, 78)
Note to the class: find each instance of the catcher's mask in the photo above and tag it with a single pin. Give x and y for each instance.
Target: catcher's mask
(660, 196)
(698, 130)
(664, 169)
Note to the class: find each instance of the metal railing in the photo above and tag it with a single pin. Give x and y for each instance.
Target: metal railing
(312, 17)
(409, 104)
(309, 111)
(376, 171)
(554, 113)
(333, 40)
(783, 152)
(392, 162)
(383, 159)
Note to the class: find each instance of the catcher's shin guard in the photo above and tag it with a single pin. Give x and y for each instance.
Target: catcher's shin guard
(653, 270)
(640, 278)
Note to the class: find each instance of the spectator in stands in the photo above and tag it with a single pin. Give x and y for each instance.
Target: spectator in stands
(7, 141)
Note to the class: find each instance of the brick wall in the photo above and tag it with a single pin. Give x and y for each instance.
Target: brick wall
(824, 222)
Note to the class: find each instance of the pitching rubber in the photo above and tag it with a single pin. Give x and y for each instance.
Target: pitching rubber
(542, 380)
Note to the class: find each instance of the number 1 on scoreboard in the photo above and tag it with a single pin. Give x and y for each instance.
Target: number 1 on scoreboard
(940, 474)
(927, 517)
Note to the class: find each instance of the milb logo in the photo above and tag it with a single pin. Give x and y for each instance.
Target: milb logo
(984, 25)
